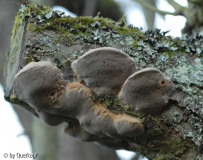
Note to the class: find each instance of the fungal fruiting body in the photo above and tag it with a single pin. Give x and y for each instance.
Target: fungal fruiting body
(75, 130)
(79, 133)
(41, 86)
(78, 100)
(104, 70)
(146, 91)
(51, 119)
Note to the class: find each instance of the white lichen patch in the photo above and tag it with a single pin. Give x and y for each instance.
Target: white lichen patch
(187, 74)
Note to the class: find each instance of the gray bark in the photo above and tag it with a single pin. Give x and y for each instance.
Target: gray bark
(175, 133)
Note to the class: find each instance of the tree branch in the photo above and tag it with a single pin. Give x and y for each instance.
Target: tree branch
(155, 9)
(175, 132)
(178, 8)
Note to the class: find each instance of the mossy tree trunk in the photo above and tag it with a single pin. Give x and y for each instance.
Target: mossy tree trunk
(176, 133)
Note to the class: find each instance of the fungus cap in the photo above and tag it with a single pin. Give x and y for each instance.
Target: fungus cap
(147, 91)
(104, 70)
(38, 84)
(76, 99)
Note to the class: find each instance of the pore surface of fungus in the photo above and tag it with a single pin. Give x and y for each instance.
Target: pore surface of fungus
(41, 86)
(75, 130)
(146, 91)
(104, 70)
(51, 119)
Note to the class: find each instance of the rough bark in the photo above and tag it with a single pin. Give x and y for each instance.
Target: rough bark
(175, 133)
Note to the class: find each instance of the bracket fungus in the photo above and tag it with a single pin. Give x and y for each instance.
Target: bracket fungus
(104, 70)
(147, 91)
(41, 86)
(75, 130)
(50, 119)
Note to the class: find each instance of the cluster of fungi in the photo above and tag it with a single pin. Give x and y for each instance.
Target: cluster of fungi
(105, 72)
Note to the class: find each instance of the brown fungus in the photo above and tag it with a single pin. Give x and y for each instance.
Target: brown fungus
(104, 70)
(79, 133)
(76, 131)
(41, 86)
(147, 91)
(94, 117)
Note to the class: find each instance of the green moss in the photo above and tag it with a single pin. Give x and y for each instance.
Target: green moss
(80, 25)
(126, 108)
(170, 54)
(134, 45)
(30, 26)
(26, 12)
(17, 22)
(12, 97)
(33, 8)
(68, 26)
(107, 101)
(66, 33)
(163, 139)
(28, 59)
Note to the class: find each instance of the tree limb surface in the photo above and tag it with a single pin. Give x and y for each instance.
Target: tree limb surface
(175, 132)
